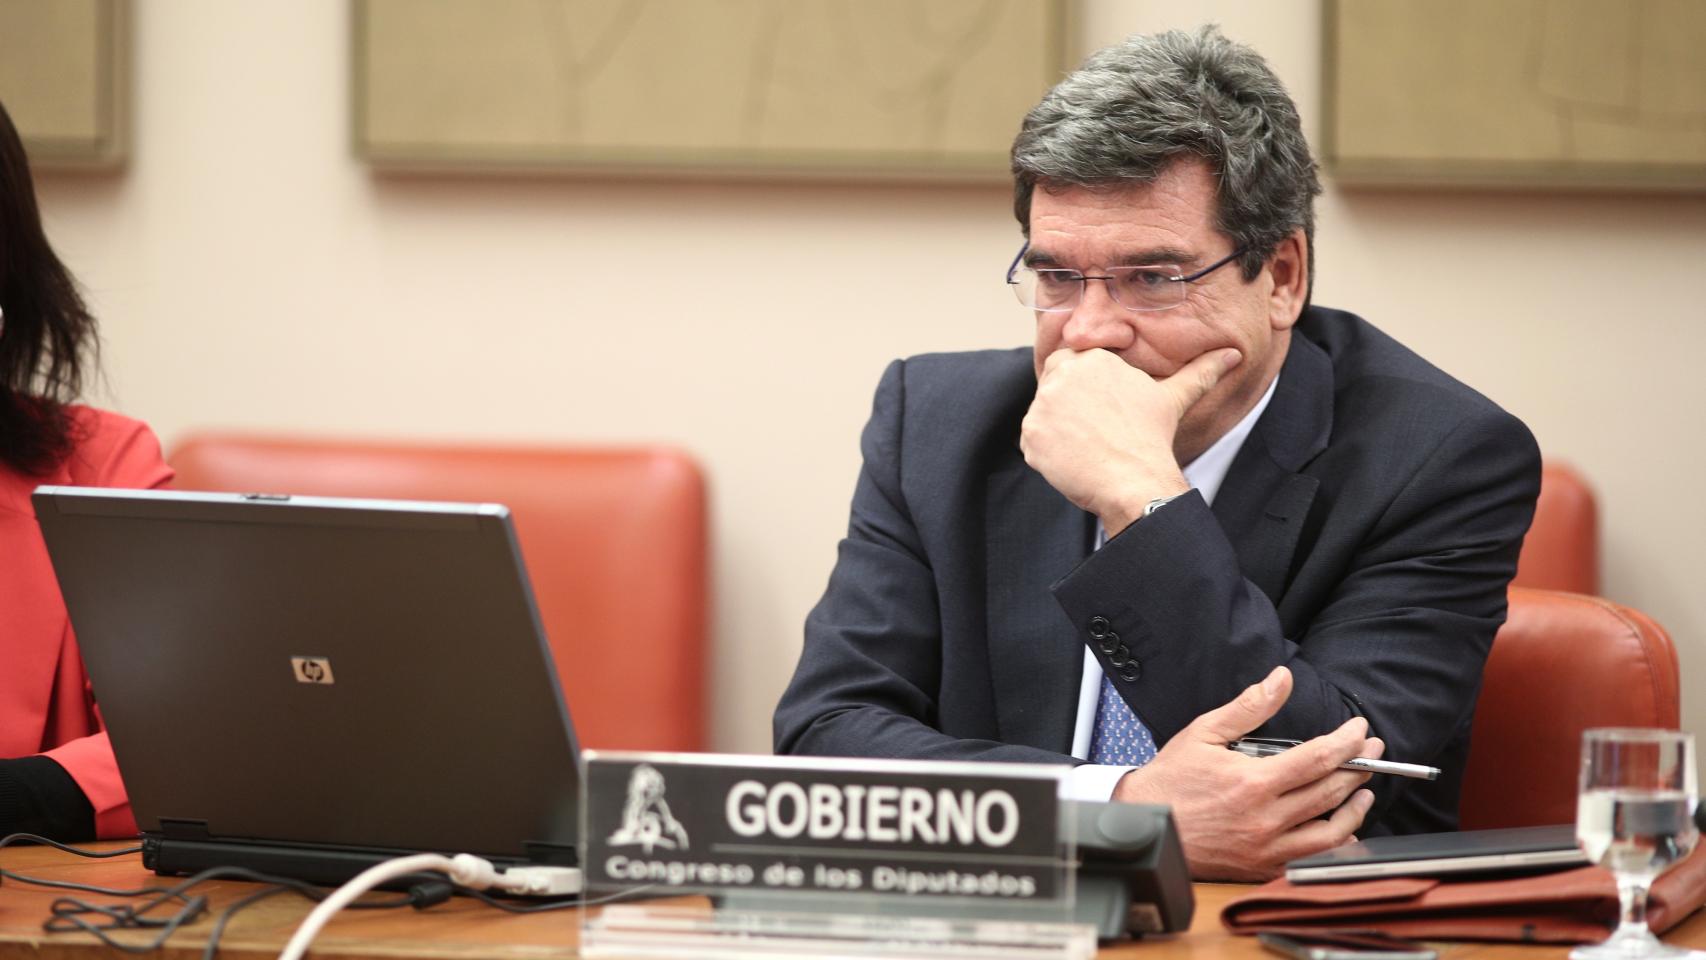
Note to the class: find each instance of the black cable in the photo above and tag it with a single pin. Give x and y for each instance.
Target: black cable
(313, 893)
(12, 838)
(624, 895)
(225, 916)
(69, 913)
(541, 907)
(508, 907)
(68, 917)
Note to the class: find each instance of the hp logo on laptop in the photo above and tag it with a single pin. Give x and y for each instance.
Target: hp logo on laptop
(311, 669)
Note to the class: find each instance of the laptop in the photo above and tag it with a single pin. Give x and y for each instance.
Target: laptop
(1509, 850)
(307, 686)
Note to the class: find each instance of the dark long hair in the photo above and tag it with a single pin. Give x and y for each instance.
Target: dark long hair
(47, 330)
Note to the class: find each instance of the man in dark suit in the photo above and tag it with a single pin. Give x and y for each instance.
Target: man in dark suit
(1034, 570)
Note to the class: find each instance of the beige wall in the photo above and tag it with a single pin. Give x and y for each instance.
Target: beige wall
(250, 273)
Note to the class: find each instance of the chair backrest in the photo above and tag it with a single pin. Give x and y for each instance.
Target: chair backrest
(1561, 551)
(614, 539)
(1562, 663)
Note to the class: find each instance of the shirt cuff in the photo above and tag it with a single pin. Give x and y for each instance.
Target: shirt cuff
(1090, 781)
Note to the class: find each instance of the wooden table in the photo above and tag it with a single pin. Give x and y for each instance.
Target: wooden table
(464, 928)
(1208, 939)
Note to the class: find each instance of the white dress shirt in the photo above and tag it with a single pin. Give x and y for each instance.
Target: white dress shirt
(1205, 473)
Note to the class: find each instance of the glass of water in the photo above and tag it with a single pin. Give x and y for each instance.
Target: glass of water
(1635, 817)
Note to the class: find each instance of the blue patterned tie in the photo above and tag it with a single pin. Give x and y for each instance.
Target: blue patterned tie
(1120, 739)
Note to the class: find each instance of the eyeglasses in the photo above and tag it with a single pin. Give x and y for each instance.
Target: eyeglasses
(1152, 286)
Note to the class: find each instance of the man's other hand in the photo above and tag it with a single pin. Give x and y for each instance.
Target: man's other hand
(1101, 431)
(1242, 818)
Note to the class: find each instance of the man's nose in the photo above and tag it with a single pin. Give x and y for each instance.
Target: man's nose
(1097, 322)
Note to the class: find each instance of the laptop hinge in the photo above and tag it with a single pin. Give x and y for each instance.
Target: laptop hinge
(547, 854)
(184, 829)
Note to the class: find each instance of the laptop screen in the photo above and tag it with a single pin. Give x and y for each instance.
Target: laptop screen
(310, 671)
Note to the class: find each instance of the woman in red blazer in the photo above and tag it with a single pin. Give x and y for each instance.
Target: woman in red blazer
(57, 773)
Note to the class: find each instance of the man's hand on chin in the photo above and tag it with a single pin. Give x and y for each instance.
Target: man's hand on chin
(1242, 818)
(1101, 431)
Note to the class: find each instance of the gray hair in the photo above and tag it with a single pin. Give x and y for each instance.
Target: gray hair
(1135, 108)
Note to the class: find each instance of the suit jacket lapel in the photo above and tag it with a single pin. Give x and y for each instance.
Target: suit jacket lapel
(1035, 536)
(1264, 501)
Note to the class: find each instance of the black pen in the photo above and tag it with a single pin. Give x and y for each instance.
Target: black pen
(1273, 746)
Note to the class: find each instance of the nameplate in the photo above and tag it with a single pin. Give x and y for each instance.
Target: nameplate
(707, 822)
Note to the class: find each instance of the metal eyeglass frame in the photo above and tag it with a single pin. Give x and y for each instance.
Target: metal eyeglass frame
(1084, 278)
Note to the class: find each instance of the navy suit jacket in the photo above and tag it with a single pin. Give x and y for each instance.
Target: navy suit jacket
(1364, 537)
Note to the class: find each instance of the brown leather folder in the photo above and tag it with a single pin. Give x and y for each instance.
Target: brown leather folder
(1570, 906)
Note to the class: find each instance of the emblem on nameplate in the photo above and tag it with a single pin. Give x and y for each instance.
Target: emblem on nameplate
(646, 820)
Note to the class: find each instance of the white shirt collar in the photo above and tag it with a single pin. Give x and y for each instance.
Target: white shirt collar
(1208, 470)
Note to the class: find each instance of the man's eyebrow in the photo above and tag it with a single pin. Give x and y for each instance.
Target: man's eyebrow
(1138, 258)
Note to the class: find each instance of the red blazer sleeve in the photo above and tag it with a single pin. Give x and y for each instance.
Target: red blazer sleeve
(112, 451)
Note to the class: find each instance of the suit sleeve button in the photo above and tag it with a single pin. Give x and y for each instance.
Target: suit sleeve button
(1130, 672)
(1099, 628)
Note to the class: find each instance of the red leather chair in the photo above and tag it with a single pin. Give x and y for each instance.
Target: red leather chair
(1561, 551)
(1562, 663)
(614, 539)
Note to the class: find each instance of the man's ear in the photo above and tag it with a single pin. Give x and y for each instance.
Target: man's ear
(1289, 266)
